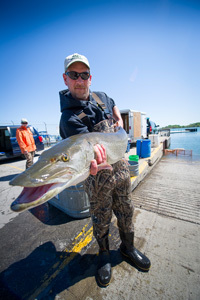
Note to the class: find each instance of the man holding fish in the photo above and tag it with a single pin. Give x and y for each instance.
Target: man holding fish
(108, 186)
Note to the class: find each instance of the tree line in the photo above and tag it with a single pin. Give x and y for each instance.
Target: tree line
(182, 126)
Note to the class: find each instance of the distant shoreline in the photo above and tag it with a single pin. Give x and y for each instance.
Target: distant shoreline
(181, 126)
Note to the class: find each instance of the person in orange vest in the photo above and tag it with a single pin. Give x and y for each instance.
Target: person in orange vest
(26, 142)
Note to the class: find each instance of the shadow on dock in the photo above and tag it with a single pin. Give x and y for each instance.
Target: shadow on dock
(47, 272)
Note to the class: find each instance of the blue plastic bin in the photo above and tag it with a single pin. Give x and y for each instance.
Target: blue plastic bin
(128, 146)
(143, 148)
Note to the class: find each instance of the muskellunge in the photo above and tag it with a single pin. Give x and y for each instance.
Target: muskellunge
(65, 164)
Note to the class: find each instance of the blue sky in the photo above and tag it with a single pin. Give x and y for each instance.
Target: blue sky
(143, 54)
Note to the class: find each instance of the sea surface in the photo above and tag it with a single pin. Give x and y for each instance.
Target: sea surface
(187, 140)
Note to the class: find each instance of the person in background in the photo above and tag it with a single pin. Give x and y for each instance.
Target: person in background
(83, 111)
(148, 127)
(26, 142)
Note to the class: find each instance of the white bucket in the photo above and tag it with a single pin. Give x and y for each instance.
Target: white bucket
(73, 201)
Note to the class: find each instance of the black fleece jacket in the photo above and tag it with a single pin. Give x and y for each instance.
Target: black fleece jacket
(70, 124)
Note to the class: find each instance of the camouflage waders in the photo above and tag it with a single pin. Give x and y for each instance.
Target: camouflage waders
(110, 191)
(29, 159)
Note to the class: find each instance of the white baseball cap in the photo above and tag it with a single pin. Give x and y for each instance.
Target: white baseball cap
(24, 121)
(74, 58)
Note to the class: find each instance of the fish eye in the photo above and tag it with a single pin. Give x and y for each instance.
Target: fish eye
(64, 157)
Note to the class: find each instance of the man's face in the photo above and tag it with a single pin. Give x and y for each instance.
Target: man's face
(79, 88)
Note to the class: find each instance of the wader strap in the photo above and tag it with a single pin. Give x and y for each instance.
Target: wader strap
(86, 120)
(101, 105)
(82, 115)
(99, 102)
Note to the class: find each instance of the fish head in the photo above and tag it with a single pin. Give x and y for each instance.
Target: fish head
(63, 165)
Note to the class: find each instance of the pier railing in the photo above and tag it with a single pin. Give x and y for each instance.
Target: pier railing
(164, 132)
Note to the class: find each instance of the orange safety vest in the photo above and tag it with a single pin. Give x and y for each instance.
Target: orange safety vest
(25, 139)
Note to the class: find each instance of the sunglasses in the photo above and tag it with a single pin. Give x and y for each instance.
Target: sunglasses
(75, 75)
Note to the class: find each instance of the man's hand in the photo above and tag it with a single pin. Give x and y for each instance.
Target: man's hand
(117, 117)
(100, 153)
(25, 152)
(99, 162)
(119, 123)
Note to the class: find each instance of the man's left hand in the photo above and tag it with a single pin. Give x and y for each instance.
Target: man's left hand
(99, 162)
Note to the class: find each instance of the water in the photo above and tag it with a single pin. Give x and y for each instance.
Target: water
(188, 141)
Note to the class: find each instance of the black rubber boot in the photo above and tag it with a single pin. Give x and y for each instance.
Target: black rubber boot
(127, 249)
(104, 266)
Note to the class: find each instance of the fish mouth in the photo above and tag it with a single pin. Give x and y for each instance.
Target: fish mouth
(34, 196)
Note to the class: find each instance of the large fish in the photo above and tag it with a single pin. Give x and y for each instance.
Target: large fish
(65, 164)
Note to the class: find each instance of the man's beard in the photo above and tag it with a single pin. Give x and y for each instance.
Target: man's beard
(81, 93)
